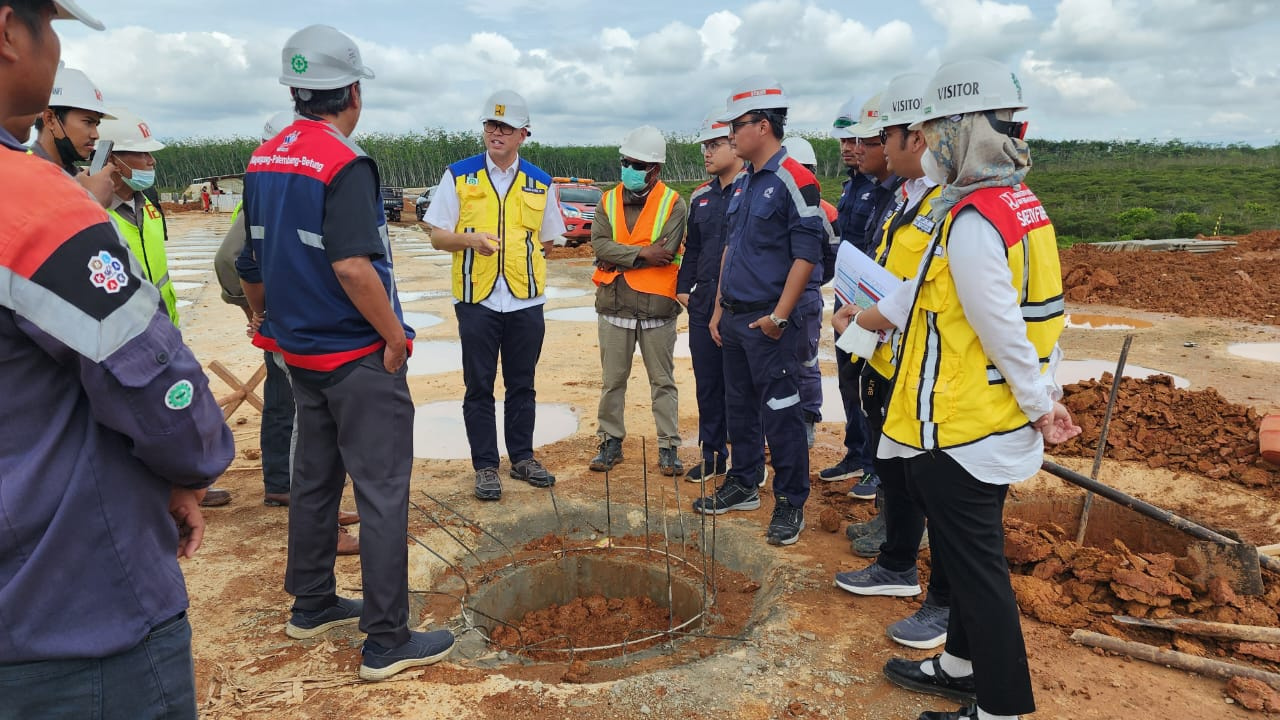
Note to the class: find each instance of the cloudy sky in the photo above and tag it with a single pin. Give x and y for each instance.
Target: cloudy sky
(1198, 70)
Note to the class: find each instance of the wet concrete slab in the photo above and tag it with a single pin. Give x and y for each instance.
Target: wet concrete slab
(439, 434)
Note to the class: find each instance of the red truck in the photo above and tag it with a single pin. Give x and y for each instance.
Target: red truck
(578, 198)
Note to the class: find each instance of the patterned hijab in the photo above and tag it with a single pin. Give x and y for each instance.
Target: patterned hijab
(974, 155)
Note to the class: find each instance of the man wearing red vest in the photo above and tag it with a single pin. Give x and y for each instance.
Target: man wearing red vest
(638, 229)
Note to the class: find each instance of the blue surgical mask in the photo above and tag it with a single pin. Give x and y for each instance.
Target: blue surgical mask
(634, 180)
(141, 180)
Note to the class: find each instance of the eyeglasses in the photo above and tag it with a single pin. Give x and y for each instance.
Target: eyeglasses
(637, 165)
(493, 126)
(737, 125)
(868, 142)
(711, 146)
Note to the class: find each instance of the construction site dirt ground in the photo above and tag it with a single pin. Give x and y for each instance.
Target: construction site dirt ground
(808, 648)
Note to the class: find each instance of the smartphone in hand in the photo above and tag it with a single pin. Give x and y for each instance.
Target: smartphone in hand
(101, 150)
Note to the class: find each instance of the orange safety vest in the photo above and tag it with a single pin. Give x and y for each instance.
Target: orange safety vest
(657, 209)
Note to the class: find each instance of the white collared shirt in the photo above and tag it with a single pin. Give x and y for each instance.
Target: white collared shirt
(445, 209)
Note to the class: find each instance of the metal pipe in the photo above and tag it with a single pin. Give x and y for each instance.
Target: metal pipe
(1151, 511)
(608, 511)
(644, 474)
(1102, 436)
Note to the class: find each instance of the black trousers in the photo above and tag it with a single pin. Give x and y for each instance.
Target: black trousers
(276, 436)
(966, 532)
(516, 338)
(903, 517)
(362, 425)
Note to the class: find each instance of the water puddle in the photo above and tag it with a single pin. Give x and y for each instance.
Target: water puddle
(585, 313)
(421, 320)
(190, 262)
(682, 346)
(1073, 371)
(1104, 322)
(183, 303)
(832, 407)
(434, 357)
(556, 293)
(1266, 352)
(408, 297)
(180, 286)
(439, 434)
(188, 273)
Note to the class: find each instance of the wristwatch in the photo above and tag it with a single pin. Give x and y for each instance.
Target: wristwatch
(782, 323)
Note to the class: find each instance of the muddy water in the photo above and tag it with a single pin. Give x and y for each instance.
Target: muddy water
(1104, 322)
(439, 434)
(1266, 352)
(421, 320)
(433, 357)
(586, 313)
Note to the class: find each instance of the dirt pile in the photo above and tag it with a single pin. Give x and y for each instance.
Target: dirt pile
(586, 622)
(1166, 427)
(1254, 694)
(1238, 282)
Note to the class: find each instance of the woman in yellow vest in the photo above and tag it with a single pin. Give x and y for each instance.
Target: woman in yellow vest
(973, 398)
(636, 236)
(138, 219)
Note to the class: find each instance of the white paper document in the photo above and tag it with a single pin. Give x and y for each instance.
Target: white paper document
(859, 280)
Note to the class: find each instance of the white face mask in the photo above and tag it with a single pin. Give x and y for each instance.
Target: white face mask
(932, 168)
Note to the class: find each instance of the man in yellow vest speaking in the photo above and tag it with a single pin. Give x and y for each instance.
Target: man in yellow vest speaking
(638, 229)
(491, 212)
(139, 220)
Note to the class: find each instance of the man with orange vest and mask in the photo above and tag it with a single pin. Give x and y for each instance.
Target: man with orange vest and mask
(638, 229)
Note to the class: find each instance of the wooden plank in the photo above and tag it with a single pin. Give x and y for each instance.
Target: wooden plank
(1204, 628)
(1173, 659)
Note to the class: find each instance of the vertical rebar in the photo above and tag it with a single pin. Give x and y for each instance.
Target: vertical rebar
(684, 535)
(702, 537)
(715, 591)
(1102, 437)
(671, 609)
(608, 511)
(644, 474)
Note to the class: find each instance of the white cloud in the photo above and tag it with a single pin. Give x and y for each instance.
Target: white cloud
(978, 27)
(1092, 96)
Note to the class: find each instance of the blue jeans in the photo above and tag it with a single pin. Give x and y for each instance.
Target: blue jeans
(154, 680)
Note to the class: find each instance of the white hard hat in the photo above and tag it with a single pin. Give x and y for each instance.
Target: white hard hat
(73, 89)
(846, 116)
(901, 101)
(319, 57)
(868, 124)
(129, 133)
(68, 10)
(645, 144)
(506, 106)
(757, 92)
(276, 123)
(712, 128)
(800, 150)
(966, 86)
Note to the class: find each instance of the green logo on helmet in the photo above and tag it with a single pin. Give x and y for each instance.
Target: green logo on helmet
(299, 63)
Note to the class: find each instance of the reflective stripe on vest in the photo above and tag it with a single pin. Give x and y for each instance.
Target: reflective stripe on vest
(147, 245)
(905, 247)
(516, 219)
(648, 229)
(945, 393)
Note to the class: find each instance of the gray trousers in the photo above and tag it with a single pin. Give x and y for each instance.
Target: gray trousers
(657, 349)
(362, 425)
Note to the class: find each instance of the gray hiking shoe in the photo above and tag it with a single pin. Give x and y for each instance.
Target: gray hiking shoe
(875, 579)
(862, 529)
(532, 472)
(669, 462)
(924, 630)
(488, 485)
(868, 546)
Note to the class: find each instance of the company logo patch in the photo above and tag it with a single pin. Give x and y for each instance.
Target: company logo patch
(98, 94)
(703, 202)
(106, 272)
(298, 63)
(146, 131)
(288, 140)
(473, 180)
(179, 395)
(768, 193)
(500, 110)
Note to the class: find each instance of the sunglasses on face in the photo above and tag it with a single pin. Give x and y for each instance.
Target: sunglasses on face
(493, 126)
(737, 125)
(636, 165)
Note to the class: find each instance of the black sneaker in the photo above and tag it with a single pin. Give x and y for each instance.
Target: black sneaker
(907, 673)
(306, 625)
(968, 712)
(712, 468)
(532, 472)
(422, 648)
(669, 462)
(843, 470)
(786, 524)
(610, 454)
(731, 495)
(488, 486)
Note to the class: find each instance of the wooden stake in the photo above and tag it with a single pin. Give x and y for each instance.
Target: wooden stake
(1173, 659)
(1204, 628)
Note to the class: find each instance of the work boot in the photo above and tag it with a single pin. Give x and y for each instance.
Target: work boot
(532, 472)
(346, 517)
(488, 485)
(215, 497)
(714, 467)
(423, 648)
(669, 462)
(348, 544)
(610, 454)
(862, 529)
(868, 546)
(304, 625)
(786, 523)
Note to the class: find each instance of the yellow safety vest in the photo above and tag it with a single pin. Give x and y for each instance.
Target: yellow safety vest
(147, 245)
(904, 251)
(947, 392)
(517, 221)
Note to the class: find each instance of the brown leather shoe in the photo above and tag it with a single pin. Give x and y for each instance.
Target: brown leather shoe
(275, 499)
(348, 544)
(215, 497)
(348, 518)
